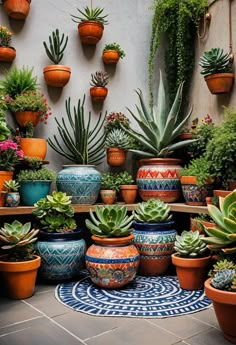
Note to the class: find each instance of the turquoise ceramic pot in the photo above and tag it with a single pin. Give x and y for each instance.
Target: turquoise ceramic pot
(82, 182)
(33, 191)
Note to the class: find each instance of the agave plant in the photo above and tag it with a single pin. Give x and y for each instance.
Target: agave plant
(117, 138)
(215, 61)
(190, 244)
(99, 79)
(90, 14)
(57, 46)
(223, 235)
(152, 211)
(110, 221)
(159, 127)
(82, 145)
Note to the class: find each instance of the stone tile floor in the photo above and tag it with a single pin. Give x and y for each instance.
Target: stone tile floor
(42, 320)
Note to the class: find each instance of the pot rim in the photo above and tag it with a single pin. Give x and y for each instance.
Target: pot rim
(220, 296)
(156, 160)
(50, 68)
(111, 241)
(90, 22)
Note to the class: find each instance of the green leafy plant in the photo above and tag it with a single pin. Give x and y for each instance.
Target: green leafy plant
(99, 79)
(223, 275)
(114, 120)
(110, 181)
(56, 47)
(159, 127)
(11, 185)
(152, 211)
(110, 221)
(117, 138)
(33, 163)
(55, 213)
(215, 61)
(17, 240)
(190, 244)
(115, 46)
(43, 174)
(25, 132)
(200, 168)
(95, 14)
(81, 143)
(125, 178)
(5, 37)
(5, 131)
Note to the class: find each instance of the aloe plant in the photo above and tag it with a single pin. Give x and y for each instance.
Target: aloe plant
(57, 45)
(110, 221)
(81, 143)
(159, 127)
(190, 244)
(152, 211)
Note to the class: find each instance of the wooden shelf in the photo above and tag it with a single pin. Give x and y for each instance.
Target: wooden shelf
(175, 207)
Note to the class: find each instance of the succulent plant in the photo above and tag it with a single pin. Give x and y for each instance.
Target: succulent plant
(117, 138)
(215, 61)
(11, 185)
(17, 239)
(57, 46)
(42, 174)
(110, 221)
(90, 14)
(99, 79)
(152, 211)
(190, 244)
(115, 46)
(110, 181)
(223, 279)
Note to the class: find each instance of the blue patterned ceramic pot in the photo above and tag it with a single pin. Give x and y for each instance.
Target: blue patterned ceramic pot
(12, 199)
(62, 254)
(155, 243)
(82, 182)
(193, 193)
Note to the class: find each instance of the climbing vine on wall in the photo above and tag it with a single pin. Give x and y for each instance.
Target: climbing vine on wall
(176, 21)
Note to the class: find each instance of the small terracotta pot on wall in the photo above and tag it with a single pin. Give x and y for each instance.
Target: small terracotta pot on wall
(23, 118)
(17, 9)
(34, 147)
(110, 57)
(220, 83)
(57, 75)
(108, 196)
(116, 157)
(194, 194)
(129, 193)
(7, 54)
(98, 94)
(90, 31)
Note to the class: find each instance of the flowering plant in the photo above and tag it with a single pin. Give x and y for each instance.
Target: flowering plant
(113, 120)
(31, 101)
(10, 155)
(5, 37)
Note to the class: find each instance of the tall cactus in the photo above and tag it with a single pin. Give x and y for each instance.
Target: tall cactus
(57, 45)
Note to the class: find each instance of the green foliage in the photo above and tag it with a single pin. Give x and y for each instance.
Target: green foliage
(110, 181)
(115, 46)
(125, 178)
(43, 174)
(110, 221)
(57, 45)
(159, 127)
(33, 163)
(17, 239)
(215, 61)
(190, 244)
(90, 14)
(81, 143)
(18, 81)
(200, 168)
(114, 120)
(5, 37)
(11, 185)
(25, 132)
(203, 134)
(4, 130)
(152, 211)
(99, 79)
(117, 138)
(55, 213)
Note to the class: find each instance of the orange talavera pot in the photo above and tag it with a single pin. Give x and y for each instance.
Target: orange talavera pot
(57, 75)
(34, 147)
(7, 54)
(90, 31)
(17, 9)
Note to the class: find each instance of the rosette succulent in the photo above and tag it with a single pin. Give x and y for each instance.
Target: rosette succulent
(215, 61)
(152, 211)
(117, 138)
(190, 244)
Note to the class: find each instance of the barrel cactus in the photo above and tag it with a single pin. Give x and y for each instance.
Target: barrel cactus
(152, 211)
(189, 244)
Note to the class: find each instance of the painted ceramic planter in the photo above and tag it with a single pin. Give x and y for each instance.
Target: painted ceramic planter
(90, 31)
(155, 243)
(12, 199)
(81, 181)
(158, 178)
(194, 194)
(112, 262)
(33, 191)
(62, 254)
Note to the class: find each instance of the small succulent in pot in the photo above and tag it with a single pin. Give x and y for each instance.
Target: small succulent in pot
(215, 61)
(190, 244)
(223, 275)
(90, 14)
(115, 46)
(152, 211)
(117, 138)
(41, 174)
(12, 185)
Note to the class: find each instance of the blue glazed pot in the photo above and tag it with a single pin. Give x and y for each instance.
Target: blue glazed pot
(62, 254)
(82, 182)
(155, 243)
(33, 191)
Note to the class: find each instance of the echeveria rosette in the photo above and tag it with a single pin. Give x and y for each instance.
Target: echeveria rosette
(190, 244)
(152, 211)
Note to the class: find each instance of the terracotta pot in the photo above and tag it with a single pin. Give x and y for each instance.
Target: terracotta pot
(34, 147)
(220, 83)
(194, 194)
(191, 273)
(17, 9)
(110, 57)
(232, 185)
(57, 75)
(185, 136)
(112, 262)
(158, 178)
(5, 176)
(129, 193)
(222, 193)
(7, 54)
(224, 304)
(20, 277)
(196, 225)
(98, 94)
(108, 196)
(116, 157)
(24, 117)
(2, 199)
(209, 200)
(90, 31)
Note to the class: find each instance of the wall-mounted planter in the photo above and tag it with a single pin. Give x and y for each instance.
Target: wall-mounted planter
(34, 147)
(57, 75)
(7, 54)
(17, 9)
(24, 117)
(98, 94)
(110, 57)
(220, 83)
(90, 31)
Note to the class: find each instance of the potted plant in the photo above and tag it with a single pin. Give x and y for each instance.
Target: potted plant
(197, 181)
(112, 52)
(217, 70)
(128, 190)
(19, 265)
(113, 260)
(191, 259)
(17, 9)
(82, 144)
(34, 184)
(154, 236)
(98, 91)
(12, 194)
(60, 243)
(56, 75)
(91, 23)
(114, 121)
(157, 176)
(109, 187)
(7, 53)
(117, 144)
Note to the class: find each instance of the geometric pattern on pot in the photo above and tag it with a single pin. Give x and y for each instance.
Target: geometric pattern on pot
(194, 193)
(156, 184)
(149, 297)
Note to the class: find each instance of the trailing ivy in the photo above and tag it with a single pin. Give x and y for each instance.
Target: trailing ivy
(176, 21)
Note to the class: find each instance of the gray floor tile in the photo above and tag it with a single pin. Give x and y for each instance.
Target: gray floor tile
(210, 337)
(207, 316)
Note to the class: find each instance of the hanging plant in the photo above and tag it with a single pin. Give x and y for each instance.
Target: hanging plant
(178, 20)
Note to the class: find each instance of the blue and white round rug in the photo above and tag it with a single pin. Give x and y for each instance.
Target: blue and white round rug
(149, 297)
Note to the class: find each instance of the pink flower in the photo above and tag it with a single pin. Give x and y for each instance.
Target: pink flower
(20, 154)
